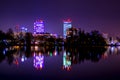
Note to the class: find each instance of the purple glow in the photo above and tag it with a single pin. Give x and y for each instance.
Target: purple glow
(38, 61)
(38, 27)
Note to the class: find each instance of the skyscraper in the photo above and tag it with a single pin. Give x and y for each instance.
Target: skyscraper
(66, 25)
(38, 27)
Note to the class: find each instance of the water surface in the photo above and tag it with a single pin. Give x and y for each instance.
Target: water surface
(41, 63)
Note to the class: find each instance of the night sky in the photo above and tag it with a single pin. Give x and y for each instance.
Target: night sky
(103, 15)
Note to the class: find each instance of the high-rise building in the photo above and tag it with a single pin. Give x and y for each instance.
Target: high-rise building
(38, 27)
(66, 25)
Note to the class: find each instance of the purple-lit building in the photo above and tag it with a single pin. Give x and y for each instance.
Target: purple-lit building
(38, 27)
(66, 25)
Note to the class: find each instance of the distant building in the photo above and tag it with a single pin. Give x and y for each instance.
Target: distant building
(38, 27)
(72, 32)
(24, 29)
(66, 24)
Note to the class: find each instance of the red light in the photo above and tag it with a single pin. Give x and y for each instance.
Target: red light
(68, 20)
(16, 62)
(39, 20)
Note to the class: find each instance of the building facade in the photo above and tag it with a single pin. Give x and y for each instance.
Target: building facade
(66, 25)
(38, 27)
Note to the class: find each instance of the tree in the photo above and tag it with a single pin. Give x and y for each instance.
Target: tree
(28, 38)
(10, 34)
(2, 35)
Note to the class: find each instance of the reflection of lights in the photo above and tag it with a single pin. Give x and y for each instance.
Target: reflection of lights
(55, 52)
(4, 52)
(6, 49)
(16, 62)
(38, 61)
(66, 61)
(105, 55)
(67, 24)
(23, 58)
(36, 48)
(113, 49)
(16, 47)
(116, 50)
(118, 47)
(50, 53)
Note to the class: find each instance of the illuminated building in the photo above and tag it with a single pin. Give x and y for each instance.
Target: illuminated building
(72, 32)
(38, 61)
(24, 29)
(66, 25)
(66, 61)
(38, 27)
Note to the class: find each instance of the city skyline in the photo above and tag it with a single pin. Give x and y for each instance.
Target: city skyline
(102, 15)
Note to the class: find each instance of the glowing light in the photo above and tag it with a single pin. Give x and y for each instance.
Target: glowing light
(66, 24)
(16, 62)
(55, 52)
(50, 53)
(112, 49)
(36, 48)
(105, 55)
(118, 48)
(38, 61)
(4, 52)
(38, 27)
(24, 29)
(23, 58)
(67, 21)
(66, 61)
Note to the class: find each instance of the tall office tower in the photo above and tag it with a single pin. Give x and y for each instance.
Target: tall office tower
(38, 27)
(66, 25)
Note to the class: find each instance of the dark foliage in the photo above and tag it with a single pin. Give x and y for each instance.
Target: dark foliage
(94, 38)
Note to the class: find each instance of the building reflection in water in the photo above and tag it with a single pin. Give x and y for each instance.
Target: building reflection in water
(66, 61)
(38, 61)
(23, 58)
(113, 50)
(71, 56)
(39, 53)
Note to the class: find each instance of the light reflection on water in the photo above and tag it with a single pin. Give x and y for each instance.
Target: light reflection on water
(69, 56)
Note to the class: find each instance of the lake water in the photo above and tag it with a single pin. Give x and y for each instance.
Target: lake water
(57, 63)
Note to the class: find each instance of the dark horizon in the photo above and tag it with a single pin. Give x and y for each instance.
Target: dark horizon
(102, 15)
